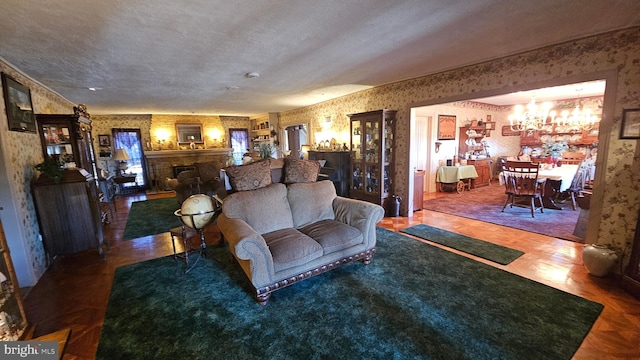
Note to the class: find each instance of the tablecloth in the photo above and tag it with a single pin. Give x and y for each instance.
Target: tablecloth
(452, 174)
(564, 174)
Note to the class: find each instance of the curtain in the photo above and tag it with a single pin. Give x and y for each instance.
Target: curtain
(239, 140)
(128, 140)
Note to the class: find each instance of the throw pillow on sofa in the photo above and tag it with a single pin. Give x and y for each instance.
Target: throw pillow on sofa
(300, 171)
(251, 176)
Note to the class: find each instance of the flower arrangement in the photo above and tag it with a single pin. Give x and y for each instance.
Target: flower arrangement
(554, 148)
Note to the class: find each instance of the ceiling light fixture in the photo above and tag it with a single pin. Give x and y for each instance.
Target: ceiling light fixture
(578, 119)
(534, 118)
(251, 75)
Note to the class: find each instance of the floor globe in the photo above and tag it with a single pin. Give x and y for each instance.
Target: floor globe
(197, 211)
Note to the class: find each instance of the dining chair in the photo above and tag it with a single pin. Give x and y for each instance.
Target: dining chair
(577, 186)
(521, 182)
(572, 158)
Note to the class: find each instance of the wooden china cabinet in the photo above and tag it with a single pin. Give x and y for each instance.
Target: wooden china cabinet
(556, 133)
(483, 168)
(372, 155)
(471, 138)
(631, 277)
(67, 138)
(69, 212)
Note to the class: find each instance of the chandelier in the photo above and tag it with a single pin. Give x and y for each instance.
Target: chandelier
(577, 119)
(534, 117)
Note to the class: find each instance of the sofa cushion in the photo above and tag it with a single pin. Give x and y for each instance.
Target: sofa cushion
(300, 171)
(265, 209)
(333, 235)
(311, 202)
(208, 171)
(290, 247)
(251, 176)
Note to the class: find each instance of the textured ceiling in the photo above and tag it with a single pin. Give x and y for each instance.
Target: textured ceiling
(183, 57)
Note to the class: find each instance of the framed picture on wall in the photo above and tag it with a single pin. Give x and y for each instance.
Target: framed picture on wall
(17, 101)
(104, 140)
(446, 127)
(630, 124)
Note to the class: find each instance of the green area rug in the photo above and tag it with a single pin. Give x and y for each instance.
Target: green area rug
(486, 250)
(151, 217)
(414, 301)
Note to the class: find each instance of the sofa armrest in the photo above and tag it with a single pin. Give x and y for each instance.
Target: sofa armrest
(249, 248)
(360, 214)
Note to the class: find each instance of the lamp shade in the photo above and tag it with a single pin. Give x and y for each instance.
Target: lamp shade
(120, 155)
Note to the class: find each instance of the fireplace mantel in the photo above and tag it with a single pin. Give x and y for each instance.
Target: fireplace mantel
(182, 153)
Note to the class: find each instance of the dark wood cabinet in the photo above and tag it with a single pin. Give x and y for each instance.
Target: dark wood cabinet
(67, 138)
(483, 168)
(337, 168)
(69, 213)
(631, 276)
(372, 155)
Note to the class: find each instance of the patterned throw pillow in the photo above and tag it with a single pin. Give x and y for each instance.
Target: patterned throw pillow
(300, 171)
(251, 176)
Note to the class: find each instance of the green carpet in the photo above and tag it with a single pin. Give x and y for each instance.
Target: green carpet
(414, 301)
(486, 250)
(151, 217)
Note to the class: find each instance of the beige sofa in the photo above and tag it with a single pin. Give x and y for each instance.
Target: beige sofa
(282, 234)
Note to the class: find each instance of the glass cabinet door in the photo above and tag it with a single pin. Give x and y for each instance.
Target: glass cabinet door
(372, 156)
(356, 155)
(388, 155)
(57, 138)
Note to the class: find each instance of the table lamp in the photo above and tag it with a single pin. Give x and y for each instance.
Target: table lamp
(121, 156)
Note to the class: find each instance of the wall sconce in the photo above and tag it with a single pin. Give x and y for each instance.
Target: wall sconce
(438, 143)
(162, 135)
(215, 134)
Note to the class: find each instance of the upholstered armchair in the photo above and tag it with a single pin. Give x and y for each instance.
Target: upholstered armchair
(205, 179)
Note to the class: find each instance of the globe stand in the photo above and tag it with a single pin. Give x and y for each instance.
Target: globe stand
(196, 213)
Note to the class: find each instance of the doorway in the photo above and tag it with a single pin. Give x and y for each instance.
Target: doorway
(449, 149)
(296, 137)
(130, 141)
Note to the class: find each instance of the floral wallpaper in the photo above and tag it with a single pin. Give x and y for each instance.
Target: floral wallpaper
(617, 189)
(617, 51)
(21, 151)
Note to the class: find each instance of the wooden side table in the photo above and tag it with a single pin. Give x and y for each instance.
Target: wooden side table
(124, 179)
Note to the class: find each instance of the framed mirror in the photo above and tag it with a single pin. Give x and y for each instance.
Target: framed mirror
(188, 133)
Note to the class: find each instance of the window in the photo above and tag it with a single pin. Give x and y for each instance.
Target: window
(239, 141)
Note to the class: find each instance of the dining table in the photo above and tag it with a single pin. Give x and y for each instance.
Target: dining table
(557, 179)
